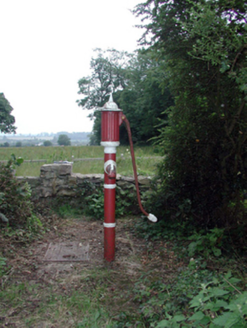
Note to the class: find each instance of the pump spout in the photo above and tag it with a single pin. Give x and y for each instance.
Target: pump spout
(150, 216)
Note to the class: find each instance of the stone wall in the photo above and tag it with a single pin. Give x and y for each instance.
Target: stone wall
(57, 180)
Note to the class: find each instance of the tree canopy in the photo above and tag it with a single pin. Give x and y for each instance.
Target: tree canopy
(6, 119)
(47, 143)
(203, 48)
(63, 140)
(135, 81)
(186, 90)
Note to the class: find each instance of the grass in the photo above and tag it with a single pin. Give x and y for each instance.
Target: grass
(63, 307)
(65, 153)
(150, 284)
(146, 159)
(83, 297)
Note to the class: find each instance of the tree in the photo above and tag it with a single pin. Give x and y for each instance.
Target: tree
(47, 143)
(203, 47)
(143, 100)
(6, 119)
(18, 144)
(135, 81)
(63, 140)
(108, 74)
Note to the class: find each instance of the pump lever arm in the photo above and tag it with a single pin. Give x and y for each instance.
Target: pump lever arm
(150, 216)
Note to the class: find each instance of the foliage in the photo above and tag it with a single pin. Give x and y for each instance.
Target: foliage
(108, 74)
(143, 100)
(47, 143)
(15, 204)
(5, 144)
(208, 244)
(195, 298)
(94, 201)
(6, 119)
(203, 48)
(108, 71)
(63, 140)
(135, 81)
(67, 210)
(2, 265)
(18, 144)
(220, 304)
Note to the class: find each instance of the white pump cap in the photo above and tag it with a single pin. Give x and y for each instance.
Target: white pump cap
(152, 217)
(111, 105)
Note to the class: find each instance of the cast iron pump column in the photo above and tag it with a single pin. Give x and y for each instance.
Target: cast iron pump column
(111, 118)
(110, 121)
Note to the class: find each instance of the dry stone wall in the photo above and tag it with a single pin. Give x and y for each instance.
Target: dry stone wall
(57, 180)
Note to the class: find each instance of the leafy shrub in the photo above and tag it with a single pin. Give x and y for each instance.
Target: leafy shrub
(63, 140)
(47, 143)
(195, 298)
(206, 244)
(67, 210)
(94, 201)
(220, 304)
(15, 203)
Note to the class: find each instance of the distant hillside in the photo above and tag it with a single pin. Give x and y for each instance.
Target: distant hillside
(77, 138)
(75, 135)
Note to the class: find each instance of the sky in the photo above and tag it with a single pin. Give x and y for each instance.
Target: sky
(46, 47)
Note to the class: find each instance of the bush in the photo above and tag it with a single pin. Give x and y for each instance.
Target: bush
(126, 201)
(15, 203)
(18, 144)
(47, 143)
(63, 140)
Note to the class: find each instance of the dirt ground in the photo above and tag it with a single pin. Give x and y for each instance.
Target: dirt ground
(46, 285)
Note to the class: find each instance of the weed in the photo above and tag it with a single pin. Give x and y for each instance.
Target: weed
(2, 265)
(208, 244)
(95, 201)
(195, 298)
(68, 211)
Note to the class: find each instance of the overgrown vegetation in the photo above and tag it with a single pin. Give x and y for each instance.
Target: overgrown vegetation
(187, 92)
(203, 172)
(7, 120)
(15, 204)
(195, 298)
(126, 201)
(17, 216)
(135, 81)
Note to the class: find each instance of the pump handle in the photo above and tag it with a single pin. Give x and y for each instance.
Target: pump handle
(150, 216)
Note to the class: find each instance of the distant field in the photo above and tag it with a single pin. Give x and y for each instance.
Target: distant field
(145, 166)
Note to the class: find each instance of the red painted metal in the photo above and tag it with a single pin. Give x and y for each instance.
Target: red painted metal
(110, 126)
(134, 164)
(111, 119)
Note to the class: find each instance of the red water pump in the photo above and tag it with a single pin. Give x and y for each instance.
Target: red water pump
(111, 118)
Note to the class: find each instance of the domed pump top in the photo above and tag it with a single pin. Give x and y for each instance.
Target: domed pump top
(111, 105)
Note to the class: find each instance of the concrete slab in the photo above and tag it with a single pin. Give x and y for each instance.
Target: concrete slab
(67, 252)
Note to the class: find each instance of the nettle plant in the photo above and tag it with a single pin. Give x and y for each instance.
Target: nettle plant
(220, 304)
(206, 244)
(194, 299)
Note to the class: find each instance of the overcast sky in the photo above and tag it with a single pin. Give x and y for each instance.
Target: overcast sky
(46, 47)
